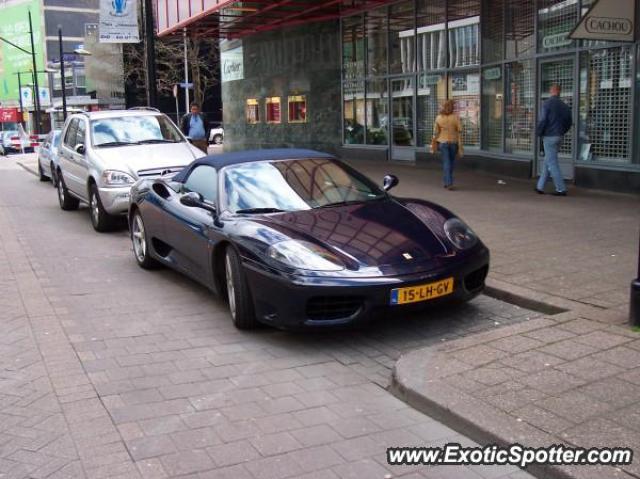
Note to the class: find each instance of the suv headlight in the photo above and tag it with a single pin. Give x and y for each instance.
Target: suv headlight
(304, 255)
(460, 234)
(117, 178)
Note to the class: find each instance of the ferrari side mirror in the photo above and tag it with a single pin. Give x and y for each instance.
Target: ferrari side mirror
(389, 182)
(195, 200)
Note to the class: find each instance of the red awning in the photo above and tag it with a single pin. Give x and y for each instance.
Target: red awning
(233, 19)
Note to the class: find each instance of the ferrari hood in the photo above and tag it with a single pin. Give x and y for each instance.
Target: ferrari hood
(374, 234)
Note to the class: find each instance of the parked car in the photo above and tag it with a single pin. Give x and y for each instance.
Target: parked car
(103, 153)
(216, 135)
(48, 156)
(296, 238)
(14, 142)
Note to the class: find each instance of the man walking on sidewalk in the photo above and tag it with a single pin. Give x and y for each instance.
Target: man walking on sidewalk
(555, 121)
(193, 125)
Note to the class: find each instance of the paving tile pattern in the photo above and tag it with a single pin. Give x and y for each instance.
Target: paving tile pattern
(580, 387)
(130, 373)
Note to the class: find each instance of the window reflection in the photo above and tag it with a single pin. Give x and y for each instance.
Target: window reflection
(133, 129)
(293, 185)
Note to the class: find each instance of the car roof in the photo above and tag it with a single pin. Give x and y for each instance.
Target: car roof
(250, 156)
(95, 115)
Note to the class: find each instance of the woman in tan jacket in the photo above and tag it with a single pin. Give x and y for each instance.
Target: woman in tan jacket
(447, 132)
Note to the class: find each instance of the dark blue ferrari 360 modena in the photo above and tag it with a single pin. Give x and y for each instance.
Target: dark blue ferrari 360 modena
(296, 238)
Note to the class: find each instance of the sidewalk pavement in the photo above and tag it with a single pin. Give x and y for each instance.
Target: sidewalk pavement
(571, 377)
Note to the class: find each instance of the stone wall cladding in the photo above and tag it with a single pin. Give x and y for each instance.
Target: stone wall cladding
(297, 61)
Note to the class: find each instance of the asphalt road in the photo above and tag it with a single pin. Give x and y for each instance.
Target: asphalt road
(143, 374)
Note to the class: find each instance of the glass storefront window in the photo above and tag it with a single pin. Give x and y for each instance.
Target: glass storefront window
(492, 31)
(377, 112)
(431, 33)
(402, 53)
(492, 104)
(273, 109)
(464, 28)
(353, 47)
(519, 28)
(432, 92)
(298, 109)
(606, 83)
(556, 19)
(519, 107)
(376, 30)
(252, 111)
(464, 89)
(353, 105)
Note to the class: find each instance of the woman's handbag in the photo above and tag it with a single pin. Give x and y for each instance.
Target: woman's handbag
(434, 145)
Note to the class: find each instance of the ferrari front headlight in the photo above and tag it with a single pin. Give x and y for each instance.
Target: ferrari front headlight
(304, 255)
(460, 234)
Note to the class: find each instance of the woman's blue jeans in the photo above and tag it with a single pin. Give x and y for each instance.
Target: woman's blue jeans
(448, 152)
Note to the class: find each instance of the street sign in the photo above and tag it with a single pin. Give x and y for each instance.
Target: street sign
(187, 85)
(612, 20)
(27, 97)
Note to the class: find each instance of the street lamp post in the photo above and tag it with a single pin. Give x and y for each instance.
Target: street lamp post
(20, 99)
(63, 86)
(62, 82)
(35, 69)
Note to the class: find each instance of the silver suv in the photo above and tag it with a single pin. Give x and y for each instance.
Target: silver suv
(103, 153)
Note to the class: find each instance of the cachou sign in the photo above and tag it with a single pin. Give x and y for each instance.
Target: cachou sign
(609, 26)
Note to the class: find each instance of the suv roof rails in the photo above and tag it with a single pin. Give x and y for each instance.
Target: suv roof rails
(147, 108)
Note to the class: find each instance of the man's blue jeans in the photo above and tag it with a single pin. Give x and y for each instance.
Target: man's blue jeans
(551, 165)
(448, 152)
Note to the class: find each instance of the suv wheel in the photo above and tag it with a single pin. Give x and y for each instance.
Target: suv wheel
(217, 139)
(100, 219)
(238, 294)
(41, 175)
(66, 201)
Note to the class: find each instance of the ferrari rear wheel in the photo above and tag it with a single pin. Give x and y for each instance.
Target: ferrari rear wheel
(238, 294)
(141, 243)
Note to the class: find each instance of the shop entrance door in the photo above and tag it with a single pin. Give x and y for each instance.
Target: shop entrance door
(402, 125)
(563, 72)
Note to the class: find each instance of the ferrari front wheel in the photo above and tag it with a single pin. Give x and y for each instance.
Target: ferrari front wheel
(238, 294)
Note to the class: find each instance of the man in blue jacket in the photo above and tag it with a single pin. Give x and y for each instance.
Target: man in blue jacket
(555, 121)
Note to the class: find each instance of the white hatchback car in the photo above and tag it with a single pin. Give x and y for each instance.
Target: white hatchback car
(103, 153)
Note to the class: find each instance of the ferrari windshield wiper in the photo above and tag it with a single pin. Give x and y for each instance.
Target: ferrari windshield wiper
(117, 143)
(260, 210)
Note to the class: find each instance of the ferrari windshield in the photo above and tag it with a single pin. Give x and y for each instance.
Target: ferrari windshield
(134, 130)
(294, 185)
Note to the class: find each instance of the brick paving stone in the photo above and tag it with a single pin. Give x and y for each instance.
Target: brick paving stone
(233, 453)
(568, 349)
(187, 462)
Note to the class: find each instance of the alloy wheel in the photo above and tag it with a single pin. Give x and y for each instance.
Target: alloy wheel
(95, 211)
(231, 293)
(60, 191)
(139, 240)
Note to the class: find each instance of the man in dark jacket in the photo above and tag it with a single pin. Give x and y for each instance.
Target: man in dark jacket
(193, 125)
(555, 121)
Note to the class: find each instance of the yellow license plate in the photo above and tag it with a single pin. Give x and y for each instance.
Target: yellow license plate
(423, 292)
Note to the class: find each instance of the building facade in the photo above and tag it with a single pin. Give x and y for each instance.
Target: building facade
(371, 80)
